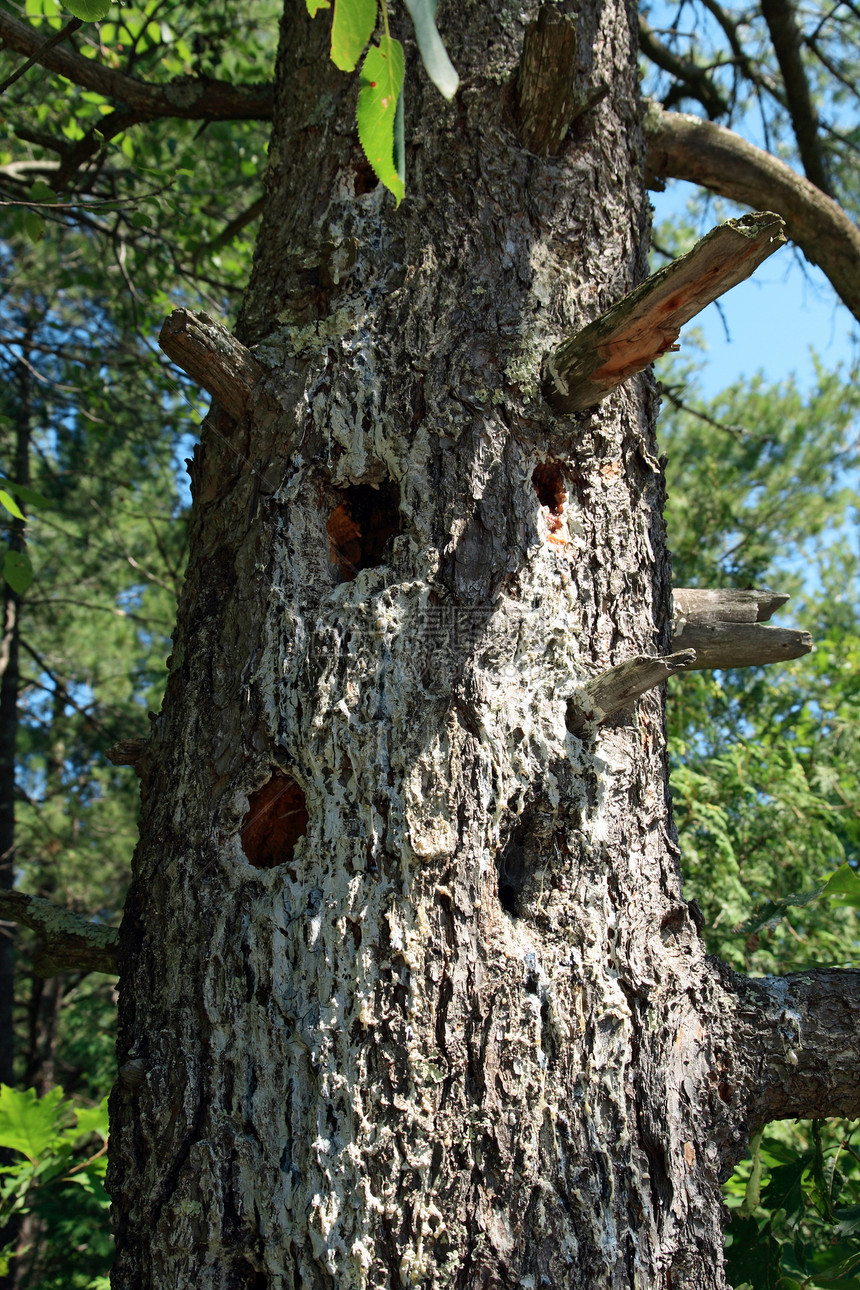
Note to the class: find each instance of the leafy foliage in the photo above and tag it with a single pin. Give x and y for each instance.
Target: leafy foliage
(379, 111)
(763, 492)
(59, 1177)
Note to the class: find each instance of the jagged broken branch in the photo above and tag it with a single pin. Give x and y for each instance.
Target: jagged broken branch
(686, 147)
(726, 628)
(68, 943)
(711, 628)
(619, 687)
(647, 322)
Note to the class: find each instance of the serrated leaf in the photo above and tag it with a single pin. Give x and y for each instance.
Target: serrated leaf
(381, 83)
(87, 10)
(314, 6)
(30, 1125)
(18, 571)
(11, 505)
(351, 29)
(434, 56)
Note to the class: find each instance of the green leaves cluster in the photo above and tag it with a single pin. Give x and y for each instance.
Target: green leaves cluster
(763, 491)
(379, 113)
(59, 1160)
(800, 1230)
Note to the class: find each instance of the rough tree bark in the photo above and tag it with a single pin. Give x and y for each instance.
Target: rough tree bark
(410, 995)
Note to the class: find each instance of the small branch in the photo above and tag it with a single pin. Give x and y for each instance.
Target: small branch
(646, 323)
(786, 39)
(619, 687)
(193, 98)
(548, 97)
(43, 49)
(127, 752)
(725, 645)
(685, 147)
(213, 358)
(69, 943)
(693, 81)
(722, 605)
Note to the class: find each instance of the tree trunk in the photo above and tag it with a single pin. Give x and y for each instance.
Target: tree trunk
(409, 994)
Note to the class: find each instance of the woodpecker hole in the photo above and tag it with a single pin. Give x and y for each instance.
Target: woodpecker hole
(364, 180)
(277, 817)
(361, 526)
(512, 871)
(548, 483)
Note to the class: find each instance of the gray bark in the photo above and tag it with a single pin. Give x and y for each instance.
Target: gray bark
(409, 993)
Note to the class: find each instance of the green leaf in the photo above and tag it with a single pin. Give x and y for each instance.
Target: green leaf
(34, 225)
(314, 6)
(351, 29)
(845, 886)
(439, 67)
(381, 83)
(28, 495)
(11, 505)
(92, 1119)
(18, 572)
(29, 1125)
(87, 10)
(41, 192)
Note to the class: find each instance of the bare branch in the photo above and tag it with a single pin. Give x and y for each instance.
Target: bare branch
(784, 33)
(807, 1029)
(696, 605)
(685, 147)
(69, 943)
(193, 98)
(646, 323)
(44, 48)
(740, 644)
(693, 80)
(213, 358)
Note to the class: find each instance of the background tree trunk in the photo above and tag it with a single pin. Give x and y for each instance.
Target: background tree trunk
(410, 995)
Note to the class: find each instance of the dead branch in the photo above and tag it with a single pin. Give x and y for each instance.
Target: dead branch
(647, 322)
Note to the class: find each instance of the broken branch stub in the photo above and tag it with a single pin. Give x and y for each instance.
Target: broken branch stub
(726, 628)
(212, 357)
(741, 644)
(619, 687)
(647, 322)
(723, 605)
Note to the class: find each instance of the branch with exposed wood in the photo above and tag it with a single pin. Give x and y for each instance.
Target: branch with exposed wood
(686, 147)
(647, 322)
(67, 942)
(620, 687)
(711, 628)
(212, 357)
